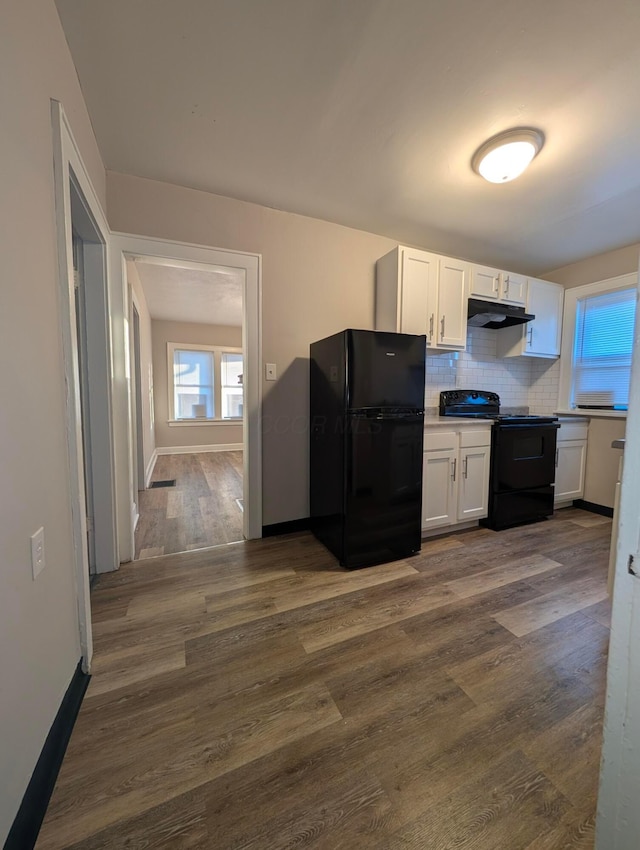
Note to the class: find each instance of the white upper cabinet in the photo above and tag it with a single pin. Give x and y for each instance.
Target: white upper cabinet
(453, 283)
(422, 293)
(513, 289)
(540, 337)
(496, 285)
(407, 292)
(484, 283)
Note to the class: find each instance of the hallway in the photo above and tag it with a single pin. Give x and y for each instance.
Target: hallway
(201, 510)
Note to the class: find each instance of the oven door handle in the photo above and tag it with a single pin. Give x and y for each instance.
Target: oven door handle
(504, 427)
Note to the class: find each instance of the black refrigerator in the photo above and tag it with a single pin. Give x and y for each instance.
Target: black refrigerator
(366, 435)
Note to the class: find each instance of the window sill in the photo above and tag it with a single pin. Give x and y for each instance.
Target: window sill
(190, 423)
(594, 414)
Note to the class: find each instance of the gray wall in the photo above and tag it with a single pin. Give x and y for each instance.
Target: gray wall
(188, 435)
(317, 278)
(39, 643)
(610, 264)
(602, 461)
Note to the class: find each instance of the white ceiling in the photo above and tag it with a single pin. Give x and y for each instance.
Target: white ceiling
(367, 112)
(177, 294)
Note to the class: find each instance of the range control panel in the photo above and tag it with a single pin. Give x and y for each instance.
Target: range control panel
(457, 402)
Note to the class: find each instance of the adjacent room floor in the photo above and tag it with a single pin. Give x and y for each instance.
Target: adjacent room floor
(258, 696)
(204, 508)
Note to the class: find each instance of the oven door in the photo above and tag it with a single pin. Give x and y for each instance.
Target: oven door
(523, 456)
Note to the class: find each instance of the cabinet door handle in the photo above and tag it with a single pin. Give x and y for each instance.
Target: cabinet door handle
(431, 326)
(442, 328)
(506, 286)
(530, 336)
(454, 463)
(557, 453)
(465, 467)
(496, 284)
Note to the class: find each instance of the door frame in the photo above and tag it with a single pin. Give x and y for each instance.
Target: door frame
(125, 246)
(70, 175)
(137, 443)
(618, 819)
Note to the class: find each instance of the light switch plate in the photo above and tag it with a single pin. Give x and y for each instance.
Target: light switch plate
(270, 372)
(37, 552)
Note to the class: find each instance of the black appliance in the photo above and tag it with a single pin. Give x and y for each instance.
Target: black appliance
(489, 314)
(523, 457)
(367, 430)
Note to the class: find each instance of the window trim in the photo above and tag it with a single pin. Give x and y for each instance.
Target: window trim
(571, 297)
(217, 351)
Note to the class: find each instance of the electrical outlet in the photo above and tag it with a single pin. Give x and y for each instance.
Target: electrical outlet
(270, 372)
(37, 552)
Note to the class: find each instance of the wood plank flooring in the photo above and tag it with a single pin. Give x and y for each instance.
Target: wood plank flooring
(258, 696)
(200, 511)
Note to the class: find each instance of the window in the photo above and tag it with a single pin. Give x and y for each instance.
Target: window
(231, 385)
(597, 345)
(603, 349)
(193, 388)
(205, 382)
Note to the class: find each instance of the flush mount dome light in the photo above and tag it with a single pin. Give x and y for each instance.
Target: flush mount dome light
(505, 156)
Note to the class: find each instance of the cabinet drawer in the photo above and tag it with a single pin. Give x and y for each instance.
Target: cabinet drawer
(440, 440)
(469, 439)
(572, 431)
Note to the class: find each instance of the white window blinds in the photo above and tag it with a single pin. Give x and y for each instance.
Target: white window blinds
(193, 384)
(603, 349)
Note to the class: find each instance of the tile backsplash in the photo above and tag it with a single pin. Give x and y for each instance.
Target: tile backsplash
(519, 381)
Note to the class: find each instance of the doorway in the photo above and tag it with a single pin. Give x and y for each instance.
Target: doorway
(84, 388)
(187, 395)
(133, 251)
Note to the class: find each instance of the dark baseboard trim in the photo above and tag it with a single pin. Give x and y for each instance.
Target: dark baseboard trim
(303, 524)
(26, 826)
(593, 507)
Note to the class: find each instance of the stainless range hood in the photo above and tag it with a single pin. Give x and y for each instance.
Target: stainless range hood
(488, 314)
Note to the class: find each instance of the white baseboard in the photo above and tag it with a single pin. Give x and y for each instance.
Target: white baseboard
(187, 450)
(149, 470)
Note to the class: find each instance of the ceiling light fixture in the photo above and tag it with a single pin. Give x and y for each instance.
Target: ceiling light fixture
(505, 156)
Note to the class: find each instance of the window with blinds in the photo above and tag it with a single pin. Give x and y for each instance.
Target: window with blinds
(603, 350)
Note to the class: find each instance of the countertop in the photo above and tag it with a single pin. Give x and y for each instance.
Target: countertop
(454, 421)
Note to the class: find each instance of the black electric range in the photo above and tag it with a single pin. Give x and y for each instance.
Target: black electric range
(523, 457)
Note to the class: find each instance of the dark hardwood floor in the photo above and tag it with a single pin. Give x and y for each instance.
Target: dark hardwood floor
(201, 510)
(258, 696)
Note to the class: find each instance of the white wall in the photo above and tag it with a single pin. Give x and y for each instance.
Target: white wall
(39, 645)
(189, 435)
(146, 365)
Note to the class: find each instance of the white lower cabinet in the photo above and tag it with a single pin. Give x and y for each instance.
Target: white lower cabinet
(571, 457)
(455, 477)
